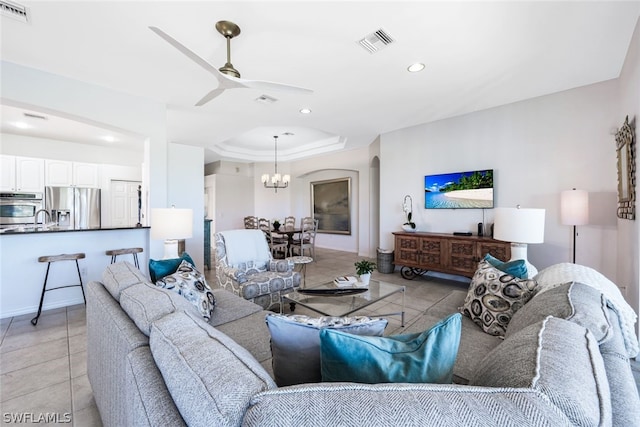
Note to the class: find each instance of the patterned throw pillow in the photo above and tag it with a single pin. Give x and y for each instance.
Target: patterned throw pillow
(494, 296)
(191, 284)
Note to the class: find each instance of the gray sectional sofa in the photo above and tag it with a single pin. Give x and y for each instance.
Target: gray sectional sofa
(152, 360)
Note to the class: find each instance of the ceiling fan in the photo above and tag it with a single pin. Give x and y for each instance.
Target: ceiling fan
(228, 77)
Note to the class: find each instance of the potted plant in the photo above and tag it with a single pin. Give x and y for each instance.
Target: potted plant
(407, 207)
(276, 225)
(363, 270)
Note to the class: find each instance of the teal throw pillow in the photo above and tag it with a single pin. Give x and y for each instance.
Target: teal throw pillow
(517, 268)
(295, 343)
(424, 357)
(164, 267)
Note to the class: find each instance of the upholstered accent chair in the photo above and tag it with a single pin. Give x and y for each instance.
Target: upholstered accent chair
(245, 266)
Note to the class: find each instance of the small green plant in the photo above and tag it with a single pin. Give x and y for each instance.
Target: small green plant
(364, 266)
(276, 224)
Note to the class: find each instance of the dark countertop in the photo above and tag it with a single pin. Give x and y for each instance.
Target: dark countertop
(39, 230)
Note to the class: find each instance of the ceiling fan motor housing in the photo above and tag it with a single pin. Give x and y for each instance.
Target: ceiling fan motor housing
(229, 30)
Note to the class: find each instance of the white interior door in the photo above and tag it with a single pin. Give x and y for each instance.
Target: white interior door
(124, 203)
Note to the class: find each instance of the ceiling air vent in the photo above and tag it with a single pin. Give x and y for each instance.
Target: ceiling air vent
(265, 99)
(376, 41)
(35, 116)
(14, 10)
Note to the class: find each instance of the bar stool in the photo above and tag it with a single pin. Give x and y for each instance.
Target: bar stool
(133, 251)
(55, 258)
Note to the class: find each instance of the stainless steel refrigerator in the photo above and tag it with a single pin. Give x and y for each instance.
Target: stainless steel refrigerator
(74, 207)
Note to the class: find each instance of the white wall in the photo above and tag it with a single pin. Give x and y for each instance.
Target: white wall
(628, 266)
(186, 191)
(234, 200)
(354, 164)
(537, 148)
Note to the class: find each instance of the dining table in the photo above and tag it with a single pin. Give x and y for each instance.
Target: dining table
(290, 232)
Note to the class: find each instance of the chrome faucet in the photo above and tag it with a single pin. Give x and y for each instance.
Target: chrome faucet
(35, 218)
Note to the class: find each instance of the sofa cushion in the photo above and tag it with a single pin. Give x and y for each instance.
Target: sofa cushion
(119, 276)
(251, 333)
(516, 267)
(230, 307)
(557, 274)
(209, 376)
(158, 268)
(295, 343)
(560, 359)
(572, 301)
(192, 286)
(145, 303)
(494, 296)
(426, 357)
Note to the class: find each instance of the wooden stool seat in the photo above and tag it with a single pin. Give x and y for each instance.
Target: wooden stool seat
(124, 251)
(62, 257)
(55, 258)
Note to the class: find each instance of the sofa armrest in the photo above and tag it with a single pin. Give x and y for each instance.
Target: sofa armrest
(280, 265)
(234, 273)
(350, 404)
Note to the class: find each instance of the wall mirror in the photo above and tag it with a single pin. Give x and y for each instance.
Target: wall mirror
(626, 150)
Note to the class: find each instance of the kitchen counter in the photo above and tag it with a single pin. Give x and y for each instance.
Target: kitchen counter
(30, 229)
(21, 275)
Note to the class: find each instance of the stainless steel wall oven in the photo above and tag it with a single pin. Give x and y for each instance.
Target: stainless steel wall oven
(19, 208)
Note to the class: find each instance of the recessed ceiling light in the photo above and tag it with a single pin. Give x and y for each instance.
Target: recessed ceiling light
(109, 138)
(305, 111)
(414, 68)
(22, 125)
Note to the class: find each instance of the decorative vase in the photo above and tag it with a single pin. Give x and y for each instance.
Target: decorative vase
(364, 278)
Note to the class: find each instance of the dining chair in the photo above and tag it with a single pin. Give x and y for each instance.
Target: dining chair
(290, 222)
(251, 222)
(275, 245)
(307, 240)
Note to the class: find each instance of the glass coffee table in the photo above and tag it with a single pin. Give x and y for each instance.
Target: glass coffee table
(330, 300)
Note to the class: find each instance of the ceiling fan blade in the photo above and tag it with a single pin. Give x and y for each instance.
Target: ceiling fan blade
(264, 85)
(186, 51)
(211, 95)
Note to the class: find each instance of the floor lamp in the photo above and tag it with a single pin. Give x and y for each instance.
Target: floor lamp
(574, 210)
(171, 224)
(520, 227)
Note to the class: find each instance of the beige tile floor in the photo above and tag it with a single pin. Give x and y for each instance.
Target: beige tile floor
(43, 368)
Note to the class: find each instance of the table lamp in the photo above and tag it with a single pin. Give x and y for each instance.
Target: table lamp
(171, 224)
(520, 227)
(574, 210)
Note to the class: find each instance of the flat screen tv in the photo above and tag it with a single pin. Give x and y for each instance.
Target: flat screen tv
(459, 190)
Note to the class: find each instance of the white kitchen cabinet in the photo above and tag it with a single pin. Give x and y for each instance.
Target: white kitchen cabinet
(86, 175)
(61, 173)
(22, 174)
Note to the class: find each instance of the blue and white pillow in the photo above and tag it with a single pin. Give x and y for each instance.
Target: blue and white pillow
(191, 284)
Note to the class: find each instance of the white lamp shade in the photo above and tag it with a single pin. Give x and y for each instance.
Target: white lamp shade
(171, 223)
(574, 207)
(519, 225)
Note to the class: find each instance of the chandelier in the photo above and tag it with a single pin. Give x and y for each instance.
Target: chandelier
(276, 180)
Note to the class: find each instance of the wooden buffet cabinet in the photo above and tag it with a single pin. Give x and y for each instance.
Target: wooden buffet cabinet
(419, 252)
